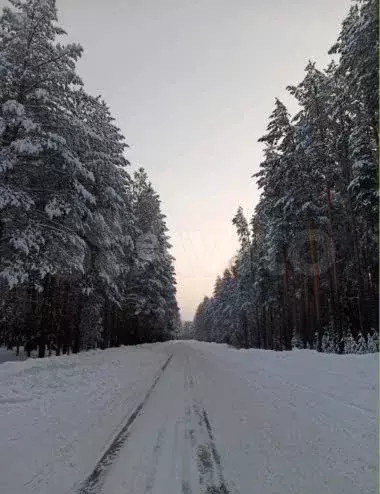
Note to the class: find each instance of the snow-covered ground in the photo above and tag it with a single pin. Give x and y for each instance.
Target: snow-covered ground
(10, 355)
(190, 418)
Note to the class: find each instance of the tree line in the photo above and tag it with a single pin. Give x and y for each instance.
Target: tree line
(306, 273)
(84, 249)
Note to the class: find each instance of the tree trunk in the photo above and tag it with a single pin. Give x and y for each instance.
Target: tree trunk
(45, 322)
(41, 346)
(314, 274)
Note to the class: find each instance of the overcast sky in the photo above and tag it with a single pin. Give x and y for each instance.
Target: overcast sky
(191, 84)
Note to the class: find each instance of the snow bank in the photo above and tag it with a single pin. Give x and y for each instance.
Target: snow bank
(350, 378)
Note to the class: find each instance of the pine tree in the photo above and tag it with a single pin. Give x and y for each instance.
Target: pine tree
(362, 344)
(358, 46)
(152, 298)
(350, 345)
(296, 341)
(372, 342)
(37, 131)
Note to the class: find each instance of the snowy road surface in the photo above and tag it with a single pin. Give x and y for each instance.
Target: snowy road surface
(189, 418)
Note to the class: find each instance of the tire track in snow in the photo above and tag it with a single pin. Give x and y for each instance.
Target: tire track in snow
(156, 455)
(210, 468)
(94, 482)
(189, 440)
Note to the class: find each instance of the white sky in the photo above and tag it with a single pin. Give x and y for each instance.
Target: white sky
(191, 84)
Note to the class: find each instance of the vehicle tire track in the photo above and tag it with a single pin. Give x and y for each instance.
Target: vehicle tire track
(189, 439)
(94, 482)
(210, 468)
(155, 458)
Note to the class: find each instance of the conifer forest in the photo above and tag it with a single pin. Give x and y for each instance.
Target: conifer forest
(85, 256)
(306, 274)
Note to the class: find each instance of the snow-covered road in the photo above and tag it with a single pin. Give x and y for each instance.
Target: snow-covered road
(189, 418)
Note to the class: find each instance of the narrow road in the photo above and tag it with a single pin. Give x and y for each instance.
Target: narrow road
(220, 421)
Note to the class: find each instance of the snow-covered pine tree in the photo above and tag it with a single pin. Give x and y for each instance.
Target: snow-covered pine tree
(203, 321)
(151, 290)
(313, 134)
(242, 294)
(372, 342)
(110, 230)
(327, 344)
(42, 179)
(357, 47)
(296, 341)
(350, 345)
(241, 224)
(274, 208)
(44, 184)
(361, 344)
